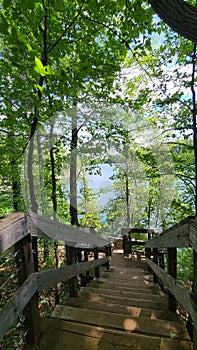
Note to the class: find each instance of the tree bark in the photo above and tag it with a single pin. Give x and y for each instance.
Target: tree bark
(178, 15)
(73, 173)
(127, 200)
(194, 120)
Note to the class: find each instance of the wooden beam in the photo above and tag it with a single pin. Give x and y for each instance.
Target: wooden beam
(46, 279)
(178, 236)
(13, 228)
(172, 271)
(97, 272)
(10, 312)
(25, 266)
(71, 260)
(183, 296)
(72, 236)
(193, 234)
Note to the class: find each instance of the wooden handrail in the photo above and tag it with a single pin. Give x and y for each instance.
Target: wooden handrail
(183, 296)
(13, 228)
(16, 230)
(37, 282)
(10, 312)
(181, 235)
(49, 278)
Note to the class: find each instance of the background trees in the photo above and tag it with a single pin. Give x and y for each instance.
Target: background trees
(86, 83)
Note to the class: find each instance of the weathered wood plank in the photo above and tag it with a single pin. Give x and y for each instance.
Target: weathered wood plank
(122, 309)
(175, 237)
(105, 298)
(121, 322)
(124, 282)
(10, 312)
(182, 295)
(24, 260)
(72, 236)
(125, 288)
(193, 234)
(46, 279)
(12, 229)
(123, 293)
(85, 337)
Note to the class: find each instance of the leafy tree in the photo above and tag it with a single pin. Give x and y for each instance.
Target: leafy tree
(89, 210)
(53, 52)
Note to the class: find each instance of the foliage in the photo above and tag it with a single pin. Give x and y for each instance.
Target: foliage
(185, 265)
(130, 79)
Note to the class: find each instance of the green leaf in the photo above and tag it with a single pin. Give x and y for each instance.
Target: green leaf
(30, 49)
(40, 88)
(48, 70)
(39, 68)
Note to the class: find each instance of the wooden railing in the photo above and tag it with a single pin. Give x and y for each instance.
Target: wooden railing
(181, 235)
(17, 230)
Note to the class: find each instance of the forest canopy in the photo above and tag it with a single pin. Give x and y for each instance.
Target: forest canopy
(98, 111)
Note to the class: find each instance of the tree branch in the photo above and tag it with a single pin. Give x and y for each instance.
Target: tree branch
(65, 30)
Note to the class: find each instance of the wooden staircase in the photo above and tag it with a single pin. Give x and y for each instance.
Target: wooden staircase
(121, 310)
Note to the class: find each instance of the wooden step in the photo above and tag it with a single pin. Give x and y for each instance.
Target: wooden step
(121, 322)
(147, 304)
(61, 335)
(122, 277)
(127, 270)
(123, 309)
(128, 294)
(127, 287)
(126, 283)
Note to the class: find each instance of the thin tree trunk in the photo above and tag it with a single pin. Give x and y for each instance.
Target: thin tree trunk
(42, 207)
(54, 201)
(127, 200)
(149, 209)
(73, 173)
(194, 126)
(15, 185)
(34, 204)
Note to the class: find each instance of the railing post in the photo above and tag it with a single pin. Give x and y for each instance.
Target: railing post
(155, 260)
(108, 253)
(86, 259)
(97, 272)
(161, 260)
(25, 266)
(72, 283)
(148, 255)
(172, 270)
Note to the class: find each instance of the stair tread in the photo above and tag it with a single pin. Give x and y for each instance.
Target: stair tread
(124, 300)
(127, 283)
(86, 337)
(98, 283)
(123, 309)
(124, 293)
(117, 321)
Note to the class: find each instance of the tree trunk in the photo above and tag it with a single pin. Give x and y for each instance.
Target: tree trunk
(33, 202)
(73, 173)
(127, 200)
(15, 174)
(194, 126)
(54, 200)
(178, 15)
